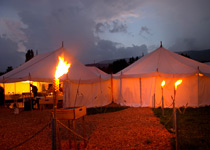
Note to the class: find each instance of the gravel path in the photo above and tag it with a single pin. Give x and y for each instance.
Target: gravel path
(131, 128)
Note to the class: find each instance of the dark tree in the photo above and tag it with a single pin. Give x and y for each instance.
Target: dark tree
(118, 65)
(137, 58)
(185, 55)
(9, 68)
(29, 55)
(131, 60)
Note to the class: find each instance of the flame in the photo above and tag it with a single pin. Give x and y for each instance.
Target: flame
(163, 83)
(178, 82)
(62, 68)
(200, 74)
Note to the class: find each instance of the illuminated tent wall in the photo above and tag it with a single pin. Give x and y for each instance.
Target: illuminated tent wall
(82, 87)
(140, 83)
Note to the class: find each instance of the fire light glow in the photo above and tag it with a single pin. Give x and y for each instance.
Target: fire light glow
(163, 83)
(177, 83)
(62, 68)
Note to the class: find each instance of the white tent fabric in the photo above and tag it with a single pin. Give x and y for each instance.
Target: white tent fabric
(96, 70)
(42, 68)
(140, 83)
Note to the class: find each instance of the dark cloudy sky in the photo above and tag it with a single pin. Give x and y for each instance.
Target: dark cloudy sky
(96, 30)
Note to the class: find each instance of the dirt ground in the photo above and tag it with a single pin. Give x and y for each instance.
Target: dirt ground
(131, 128)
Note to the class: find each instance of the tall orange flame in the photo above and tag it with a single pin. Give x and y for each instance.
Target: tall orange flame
(178, 82)
(62, 68)
(163, 83)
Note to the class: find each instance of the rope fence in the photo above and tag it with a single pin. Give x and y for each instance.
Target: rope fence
(88, 139)
(34, 135)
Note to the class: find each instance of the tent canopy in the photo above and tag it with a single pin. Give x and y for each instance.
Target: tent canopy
(164, 63)
(42, 68)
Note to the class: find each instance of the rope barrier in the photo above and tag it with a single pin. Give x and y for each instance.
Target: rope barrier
(71, 130)
(87, 139)
(38, 132)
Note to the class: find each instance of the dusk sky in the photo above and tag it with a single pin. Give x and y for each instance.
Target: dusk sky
(97, 30)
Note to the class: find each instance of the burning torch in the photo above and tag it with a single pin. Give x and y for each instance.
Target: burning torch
(61, 69)
(162, 85)
(175, 121)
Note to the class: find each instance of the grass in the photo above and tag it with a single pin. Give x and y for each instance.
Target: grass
(193, 127)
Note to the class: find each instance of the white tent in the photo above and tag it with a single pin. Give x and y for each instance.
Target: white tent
(97, 71)
(81, 85)
(140, 83)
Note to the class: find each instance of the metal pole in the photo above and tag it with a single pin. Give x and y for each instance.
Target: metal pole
(162, 102)
(174, 110)
(176, 131)
(54, 123)
(54, 120)
(154, 100)
(112, 88)
(140, 92)
(4, 90)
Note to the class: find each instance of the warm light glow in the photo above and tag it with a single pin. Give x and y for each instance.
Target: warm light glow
(62, 68)
(26, 81)
(163, 83)
(177, 83)
(200, 74)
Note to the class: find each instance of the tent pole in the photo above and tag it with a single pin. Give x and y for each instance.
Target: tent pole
(121, 85)
(4, 90)
(112, 88)
(198, 87)
(100, 86)
(100, 83)
(77, 93)
(140, 92)
(15, 87)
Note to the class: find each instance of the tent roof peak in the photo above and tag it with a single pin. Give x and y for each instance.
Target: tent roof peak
(161, 45)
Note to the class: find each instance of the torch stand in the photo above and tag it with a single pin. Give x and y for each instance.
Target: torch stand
(54, 120)
(175, 122)
(162, 103)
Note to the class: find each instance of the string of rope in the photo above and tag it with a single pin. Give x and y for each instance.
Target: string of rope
(170, 105)
(116, 147)
(38, 132)
(72, 131)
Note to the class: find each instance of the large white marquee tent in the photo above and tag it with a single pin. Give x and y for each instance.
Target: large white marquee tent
(140, 83)
(82, 87)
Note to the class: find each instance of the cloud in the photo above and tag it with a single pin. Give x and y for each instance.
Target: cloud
(144, 29)
(106, 49)
(113, 27)
(12, 30)
(43, 25)
(118, 27)
(100, 28)
(183, 44)
(9, 55)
